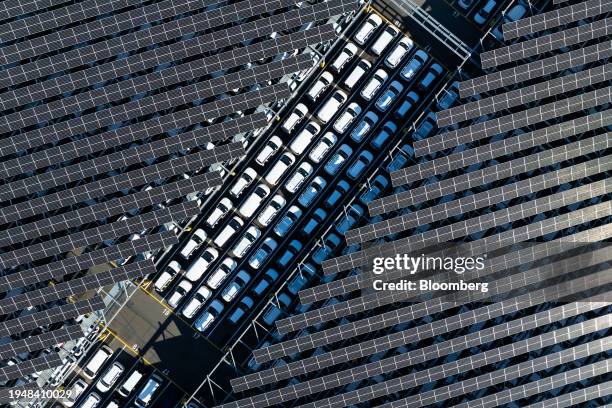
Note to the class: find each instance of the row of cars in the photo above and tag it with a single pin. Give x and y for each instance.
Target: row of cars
(261, 183)
(245, 211)
(369, 85)
(105, 380)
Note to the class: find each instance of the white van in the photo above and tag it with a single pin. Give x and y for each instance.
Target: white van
(110, 377)
(129, 384)
(268, 214)
(365, 31)
(252, 203)
(167, 276)
(146, 395)
(345, 56)
(384, 40)
(269, 150)
(325, 144)
(197, 269)
(298, 114)
(320, 86)
(245, 179)
(196, 302)
(248, 239)
(97, 361)
(224, 206)
(298, 178)
(227, 267)
(279, 168)
(230, 229)
(331, 106)
(303, 139)
(77, 390)
(347, 117)
(91, 401)
(372, 87)
(196, 240)
(362, 67)
(399, 52)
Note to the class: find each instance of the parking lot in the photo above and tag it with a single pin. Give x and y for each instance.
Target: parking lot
(254, 289)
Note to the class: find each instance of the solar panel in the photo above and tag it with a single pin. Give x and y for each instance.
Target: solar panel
(396, 339)
(119, 182)
(431, 374)
(54, 315)
(203, 66)
(74, 264)
(470, 226)
(555, 18)
(576, 397)
(92, 30)
(388, 319)
(536, 69)
(160, 33)
(546, 43)
(10, 9)
(144, 106)
(488, 174)
(106, 209)
(461, 365)
(132, 87)
(524, 96)
(484, 245)
(62, 130)
(512, 121)
(132, 225)
(540, 386)
(365, 281)
(77, 286)
(118, 160)
(484, 199)
(41, 341)
(492, 378)
(58, 17)
(27, 367)
(465, 158)
(129, 134)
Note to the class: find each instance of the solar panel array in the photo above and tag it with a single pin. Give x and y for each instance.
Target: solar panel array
(523, 179)
(109, 131)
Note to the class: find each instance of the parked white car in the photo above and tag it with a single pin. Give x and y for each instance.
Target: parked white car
(347, 54)
(298, 114)
(374, 84)
(383, 41)
(398, 53)
(196, 240)
(324, 81)
(367, 29)
(347, 117)
(298, 178)
(269, 150)
(221, 209)
(303, 139)
(196, 302)
(267, 215)
(322, 147)
(245, 179)
(197, 269)
(251, 235)
(226, 267)
(331, 106)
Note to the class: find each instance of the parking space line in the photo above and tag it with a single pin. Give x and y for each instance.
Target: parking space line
(172, 312)
(141, 357)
